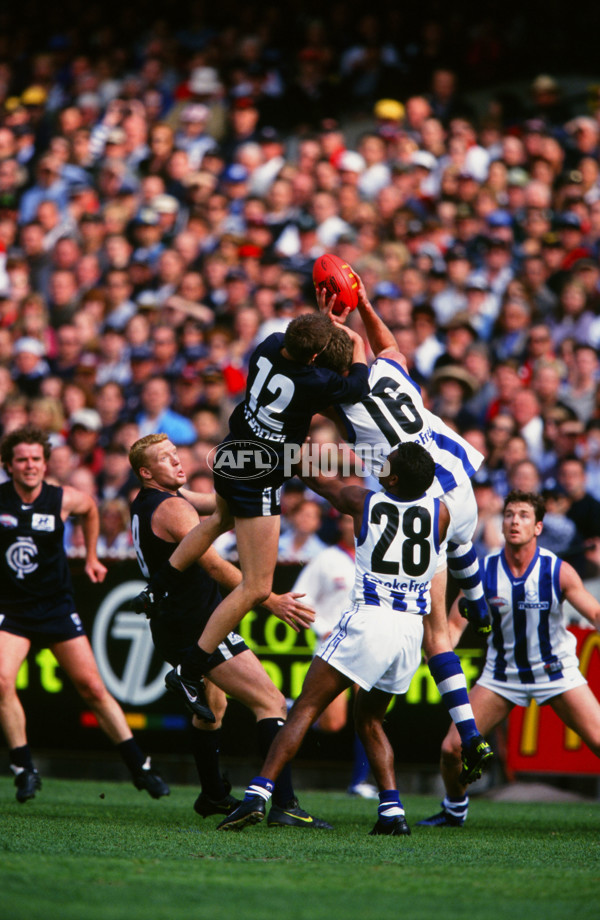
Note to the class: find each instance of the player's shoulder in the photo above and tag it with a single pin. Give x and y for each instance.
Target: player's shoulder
(270, 345)
(392, 362)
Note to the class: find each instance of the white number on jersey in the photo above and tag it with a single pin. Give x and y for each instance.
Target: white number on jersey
(279, 385)
(135, 535)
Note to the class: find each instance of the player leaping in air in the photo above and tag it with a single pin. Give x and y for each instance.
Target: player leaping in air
(285, 389)
(394, 413)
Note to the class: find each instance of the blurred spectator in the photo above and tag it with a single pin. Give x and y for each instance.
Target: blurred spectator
(69, 350)
(429, 348)
(110, 405)
(525, 410)
(48, 186)
(83, 436)
(115, 532)
(559, 534)
(115, 479)
(156, 414)
(29, 365)
(452, 386)
(488, 533)
(573, 317)
(112, 363)
(581, 387)
(300, 542)
(583, 509)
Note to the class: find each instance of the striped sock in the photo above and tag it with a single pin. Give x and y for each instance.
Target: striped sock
(464, 568)
(390, 806)
(447, 672)
(261, 786)
(458, 808)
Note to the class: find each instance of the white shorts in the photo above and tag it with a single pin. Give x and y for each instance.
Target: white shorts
(376, 647)
(522, 694)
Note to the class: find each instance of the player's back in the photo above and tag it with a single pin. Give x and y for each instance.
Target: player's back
(283, 395)
(394, 412)
(397, 553)
(529, 641)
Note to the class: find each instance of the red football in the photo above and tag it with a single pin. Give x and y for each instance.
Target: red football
(337, 277)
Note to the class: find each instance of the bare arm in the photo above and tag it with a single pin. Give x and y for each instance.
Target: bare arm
(581, 599)
(84, 506)
(347, 499)
(173, 519)
(380, 337)
(204, 503)
(286, 607)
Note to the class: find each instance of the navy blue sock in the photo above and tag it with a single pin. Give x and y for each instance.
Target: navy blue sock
(205, 747)
(283, 792)
(21, 757)
(447, 672)
(195, 663)
(132, 755)
(360, 762)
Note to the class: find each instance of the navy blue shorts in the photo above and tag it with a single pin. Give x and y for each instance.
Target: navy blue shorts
(248, 499)
(175, 632)
(44, 623)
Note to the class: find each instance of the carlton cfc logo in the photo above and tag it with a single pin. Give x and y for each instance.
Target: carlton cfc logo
(21, 556)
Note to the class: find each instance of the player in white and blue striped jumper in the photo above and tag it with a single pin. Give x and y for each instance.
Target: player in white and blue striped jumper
(394, 413)
(531, 654)
(377, 641)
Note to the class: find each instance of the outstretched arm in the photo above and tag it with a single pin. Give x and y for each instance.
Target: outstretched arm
(346, 499)
(575, 593)
(286, 607)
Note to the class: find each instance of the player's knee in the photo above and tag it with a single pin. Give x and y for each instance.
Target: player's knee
(270, 705)
(7, 687)
(219, 708)
(593, 741)
(93, 692)
(367, 726)
(260, 590)
(331, 722)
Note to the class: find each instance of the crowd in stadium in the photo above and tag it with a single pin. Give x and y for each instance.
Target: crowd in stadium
(164, 193)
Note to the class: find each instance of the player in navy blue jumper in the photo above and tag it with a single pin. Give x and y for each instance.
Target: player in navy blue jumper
(37, 605)
(284, 391)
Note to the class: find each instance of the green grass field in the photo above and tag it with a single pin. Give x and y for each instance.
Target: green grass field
(102, 851)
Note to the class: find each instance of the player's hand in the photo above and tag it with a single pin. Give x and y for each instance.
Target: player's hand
(480, 623)
(289, 608)
(326, 306)
(95, 571)
(363, 300)
(145, 603)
